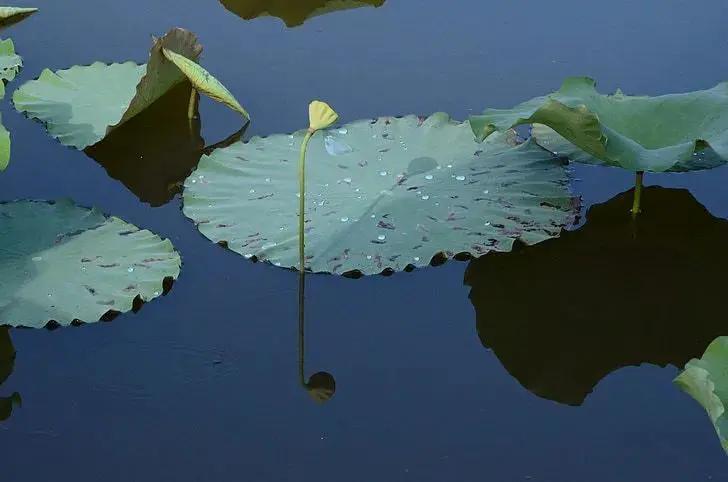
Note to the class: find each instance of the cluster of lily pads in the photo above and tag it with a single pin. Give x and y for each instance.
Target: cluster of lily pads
(380, 195)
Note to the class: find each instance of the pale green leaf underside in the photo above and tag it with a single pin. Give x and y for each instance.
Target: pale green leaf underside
(12, 15)
(638, 133)
(383, 193)
(706, 380)
(204, 82)
(61, 262)
(82, 104)
(10, 63)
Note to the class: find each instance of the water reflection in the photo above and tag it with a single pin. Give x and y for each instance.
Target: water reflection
(322, 385)
(293, 12)
(153, 152)
(7, 362)
(563, 314)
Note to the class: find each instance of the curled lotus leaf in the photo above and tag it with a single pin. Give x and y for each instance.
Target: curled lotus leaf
(383, 194)
(706, 380)
(61, 263)
(672, 132)
(12, 15)
(81, 105)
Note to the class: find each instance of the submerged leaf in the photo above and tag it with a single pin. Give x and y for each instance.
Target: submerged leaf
(82, 104)
(12, 15)
(204, 82)
(407, 190)
(706, 380)
(673, 132)
(562, 315)
(293, 12)
(62, 262)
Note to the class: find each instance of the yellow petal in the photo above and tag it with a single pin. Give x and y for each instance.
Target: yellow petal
(320, 115)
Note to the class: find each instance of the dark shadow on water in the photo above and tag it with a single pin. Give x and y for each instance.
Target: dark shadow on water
(563, 314)
(7, 363)
(154, 152)
(293, 12)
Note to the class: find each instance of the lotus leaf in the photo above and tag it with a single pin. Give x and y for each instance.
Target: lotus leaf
(672, 132)
(61, 262)
(10, 64)
(83, 104)
(706, 380)
(382, 193)
(562, 315)
(12, 15)
(293, 12)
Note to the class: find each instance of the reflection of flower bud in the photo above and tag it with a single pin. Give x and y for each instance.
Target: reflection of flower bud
(320, 115)
(321, 386)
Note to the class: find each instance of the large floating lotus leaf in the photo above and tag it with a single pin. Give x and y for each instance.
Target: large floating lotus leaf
(62, 262)
(81, 105)
(563, 314)
(383, 193)
(673, 132)
(706, 380)
(12, 15)
(293, 12)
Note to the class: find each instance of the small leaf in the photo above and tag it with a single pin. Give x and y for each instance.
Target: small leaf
(320, 115)
(4, 147)
(204, 81)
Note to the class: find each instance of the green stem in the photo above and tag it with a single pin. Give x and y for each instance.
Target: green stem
(191, 107)
(302, 201)
(301, 311)
(637, 193)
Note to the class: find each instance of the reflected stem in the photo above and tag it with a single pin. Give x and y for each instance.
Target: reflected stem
(301, 311)
(637, 194)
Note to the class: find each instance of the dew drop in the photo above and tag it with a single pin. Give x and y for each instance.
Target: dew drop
(369, 256)
(130, 270)
(343, 131)
(267, 179)
(194, 181)
(381, 237)
(382, 173)
(373, 216)
(347, 180)
(425, 197)
(428, 177)
(201, 176)
(37, 258)
(487, 223)
(417, 258)
(460, 178)
(486, 191)
(252, 191)
(449, 165)
(156, 293)
(344, 219)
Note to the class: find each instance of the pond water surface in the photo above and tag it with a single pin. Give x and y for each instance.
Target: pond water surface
(202, 385)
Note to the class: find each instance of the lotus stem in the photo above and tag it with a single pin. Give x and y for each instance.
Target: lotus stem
(302, 201)
(191, 107)
(637, 193)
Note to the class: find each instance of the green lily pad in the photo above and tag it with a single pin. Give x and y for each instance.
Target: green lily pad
(10, 63)
(293, 12)
(82, 104)
(388, 193)
(672, 132)
(12, 15)
(706, 380)
(542, 310)
(63, 263)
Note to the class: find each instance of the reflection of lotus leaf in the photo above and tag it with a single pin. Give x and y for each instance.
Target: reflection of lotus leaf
(673, 132)
(383, 193)
(175, 148)
(63, 263)
(706, 380)
(82, 104)
(563, 314)
(7, 362)
(292, 12)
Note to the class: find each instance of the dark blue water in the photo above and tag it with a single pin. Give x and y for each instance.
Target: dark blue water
(201, 385)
